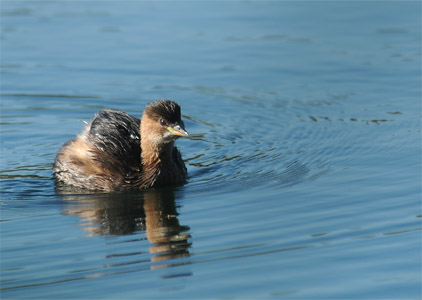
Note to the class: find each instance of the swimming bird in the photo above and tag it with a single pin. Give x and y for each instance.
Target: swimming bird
(118, 152)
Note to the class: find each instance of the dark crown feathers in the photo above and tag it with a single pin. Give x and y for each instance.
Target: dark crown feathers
(169, 110)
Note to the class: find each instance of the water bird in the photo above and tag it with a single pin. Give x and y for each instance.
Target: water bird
(119, 152)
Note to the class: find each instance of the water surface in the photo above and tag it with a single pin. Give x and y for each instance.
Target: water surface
(304, 156)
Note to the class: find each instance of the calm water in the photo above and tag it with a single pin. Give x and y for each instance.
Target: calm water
(304, 160)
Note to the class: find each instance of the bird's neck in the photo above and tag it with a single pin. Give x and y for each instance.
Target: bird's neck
(158, 166)
(153, 155)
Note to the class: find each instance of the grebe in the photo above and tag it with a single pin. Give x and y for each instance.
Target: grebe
(118, 152)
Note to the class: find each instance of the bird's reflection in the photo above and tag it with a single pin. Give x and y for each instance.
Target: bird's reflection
(152, 211)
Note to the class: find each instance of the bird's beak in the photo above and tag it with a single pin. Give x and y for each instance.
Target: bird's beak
(177, 130)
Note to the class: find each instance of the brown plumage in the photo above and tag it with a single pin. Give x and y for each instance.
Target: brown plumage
(118, 152)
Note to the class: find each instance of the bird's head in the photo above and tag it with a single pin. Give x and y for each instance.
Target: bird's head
(161, 122)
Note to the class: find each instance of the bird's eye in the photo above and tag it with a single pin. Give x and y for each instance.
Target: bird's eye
(162, 122)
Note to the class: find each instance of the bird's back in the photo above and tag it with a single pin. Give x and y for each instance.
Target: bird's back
(106, 154)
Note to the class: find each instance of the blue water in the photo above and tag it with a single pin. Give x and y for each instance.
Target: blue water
(304, 157)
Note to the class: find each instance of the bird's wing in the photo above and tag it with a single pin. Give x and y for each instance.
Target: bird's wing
(117, 137)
